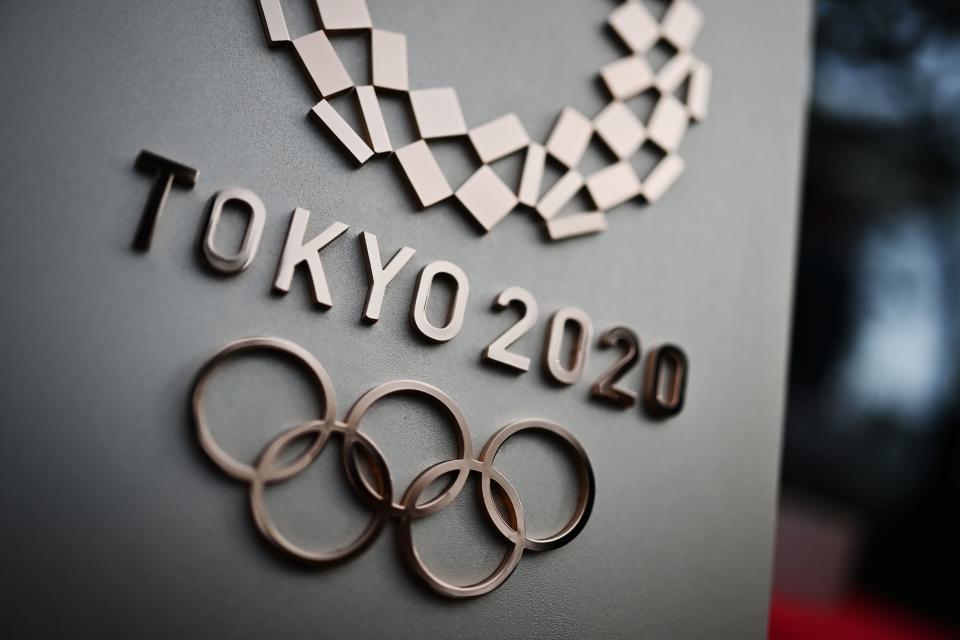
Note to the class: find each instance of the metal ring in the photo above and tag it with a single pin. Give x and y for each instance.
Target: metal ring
(464, 444)
(265, 473)
(230, 465)
(378, 493)
(510, 559)
(581, 514)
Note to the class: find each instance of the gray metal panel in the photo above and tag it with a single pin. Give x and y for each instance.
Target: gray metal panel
(115, 524)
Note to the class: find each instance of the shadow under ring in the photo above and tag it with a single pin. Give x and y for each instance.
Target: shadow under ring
(585, 496)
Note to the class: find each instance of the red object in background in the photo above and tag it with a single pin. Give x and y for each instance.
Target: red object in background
(858, 618)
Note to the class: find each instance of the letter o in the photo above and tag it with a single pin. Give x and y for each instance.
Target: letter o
(236, 263)
(458, 307)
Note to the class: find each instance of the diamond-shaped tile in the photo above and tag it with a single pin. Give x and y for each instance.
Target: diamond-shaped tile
(635, 26)
(437, 112)
(681, 24)
(613, 185)
(486, 197)
(499, 138)
(620, 129)
(627, 77)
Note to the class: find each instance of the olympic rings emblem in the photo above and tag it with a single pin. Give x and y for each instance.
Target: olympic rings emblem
(376, 488)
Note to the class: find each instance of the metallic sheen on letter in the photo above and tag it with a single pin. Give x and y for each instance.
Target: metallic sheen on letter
(378, 275)
(166, 173)
(497, 351)
(296, 251)
(663, 396)
(553, 359)
(458, 307)
(251, 237)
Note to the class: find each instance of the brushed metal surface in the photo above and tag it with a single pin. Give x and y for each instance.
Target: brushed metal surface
(273, 468)
(123, 529)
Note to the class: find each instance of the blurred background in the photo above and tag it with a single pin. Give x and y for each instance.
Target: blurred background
(869, 527)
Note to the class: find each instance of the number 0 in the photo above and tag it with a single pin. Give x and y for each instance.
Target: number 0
(554, 361)
(665, 385)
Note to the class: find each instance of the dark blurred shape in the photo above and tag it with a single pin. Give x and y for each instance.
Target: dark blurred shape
(872, 420)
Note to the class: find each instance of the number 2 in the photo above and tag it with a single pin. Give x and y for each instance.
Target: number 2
(497, 351)
(605, 388)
